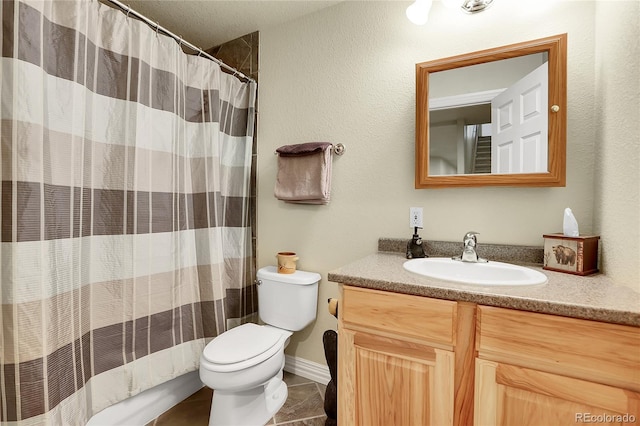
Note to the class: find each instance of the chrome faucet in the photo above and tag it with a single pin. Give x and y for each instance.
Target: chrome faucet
(469, 252)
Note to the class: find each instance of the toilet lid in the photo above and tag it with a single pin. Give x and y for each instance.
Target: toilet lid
(241, 343)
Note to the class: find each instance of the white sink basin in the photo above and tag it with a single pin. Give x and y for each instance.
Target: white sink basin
(487, 274)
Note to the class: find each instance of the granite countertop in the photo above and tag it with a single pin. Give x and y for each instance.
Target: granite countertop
(593, 297)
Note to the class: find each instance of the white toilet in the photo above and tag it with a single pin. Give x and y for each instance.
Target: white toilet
(244, 365)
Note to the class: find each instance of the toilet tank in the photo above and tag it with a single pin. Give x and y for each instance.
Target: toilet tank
(287, 301)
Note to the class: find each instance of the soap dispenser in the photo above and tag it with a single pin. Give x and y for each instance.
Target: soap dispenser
(415, 248)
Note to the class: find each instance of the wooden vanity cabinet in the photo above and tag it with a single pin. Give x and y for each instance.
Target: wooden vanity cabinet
(535, 369)
(397, 364)
(412, 360)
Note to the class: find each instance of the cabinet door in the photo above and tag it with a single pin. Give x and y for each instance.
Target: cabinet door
(511, 395)
(384, 381)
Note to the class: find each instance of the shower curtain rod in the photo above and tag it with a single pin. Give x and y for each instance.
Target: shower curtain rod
(158, 27)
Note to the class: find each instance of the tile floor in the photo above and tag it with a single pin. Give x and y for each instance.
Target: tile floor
(304, 406)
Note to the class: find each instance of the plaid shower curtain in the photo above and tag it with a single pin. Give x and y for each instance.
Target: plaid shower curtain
(124, 208)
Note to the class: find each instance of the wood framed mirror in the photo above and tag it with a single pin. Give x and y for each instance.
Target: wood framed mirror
(455, 94)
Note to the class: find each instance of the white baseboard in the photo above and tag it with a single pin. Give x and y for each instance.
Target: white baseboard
(307, 369)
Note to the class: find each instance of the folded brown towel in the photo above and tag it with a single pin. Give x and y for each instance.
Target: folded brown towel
(304, 173)
(302, 149)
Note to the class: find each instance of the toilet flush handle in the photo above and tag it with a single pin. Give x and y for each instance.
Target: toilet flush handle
(257, 282)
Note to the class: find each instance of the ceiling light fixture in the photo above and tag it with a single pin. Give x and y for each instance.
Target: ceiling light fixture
(473, 6)
(418, 11)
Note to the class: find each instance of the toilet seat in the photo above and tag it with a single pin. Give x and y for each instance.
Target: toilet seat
(243, 347)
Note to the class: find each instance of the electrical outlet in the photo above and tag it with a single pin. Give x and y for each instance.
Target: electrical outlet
(415, 217)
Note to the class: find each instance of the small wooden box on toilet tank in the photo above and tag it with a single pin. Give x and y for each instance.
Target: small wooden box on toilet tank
(573, 255)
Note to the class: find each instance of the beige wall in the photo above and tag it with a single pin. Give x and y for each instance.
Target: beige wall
(617, 183)
(346, 74)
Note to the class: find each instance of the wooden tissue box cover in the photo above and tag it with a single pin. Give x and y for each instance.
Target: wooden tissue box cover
(573, 255)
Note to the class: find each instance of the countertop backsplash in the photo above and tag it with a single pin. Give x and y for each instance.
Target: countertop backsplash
(495, 252)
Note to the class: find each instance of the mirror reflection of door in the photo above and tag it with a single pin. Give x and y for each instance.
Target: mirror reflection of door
(519, 125)
(460, 119)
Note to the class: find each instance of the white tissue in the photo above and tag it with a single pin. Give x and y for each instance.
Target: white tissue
(570, 224)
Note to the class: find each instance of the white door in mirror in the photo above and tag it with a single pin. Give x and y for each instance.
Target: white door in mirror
(519, 124)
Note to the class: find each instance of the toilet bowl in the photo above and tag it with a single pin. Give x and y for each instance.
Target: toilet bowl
(228, 363)
(244, 365)
(241, 365)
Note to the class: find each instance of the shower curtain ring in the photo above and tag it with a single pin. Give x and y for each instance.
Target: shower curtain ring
(128, 10)
(180, 42)
(157, 27)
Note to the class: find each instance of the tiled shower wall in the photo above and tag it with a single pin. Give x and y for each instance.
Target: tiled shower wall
(242, 54)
